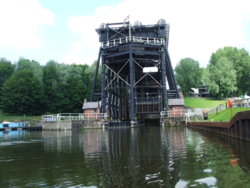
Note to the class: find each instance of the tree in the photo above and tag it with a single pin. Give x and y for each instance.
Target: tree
(34, 66)
(53, 88)
(22, 94)
(6, 70)
(74, 90)
(241, 64)
(221, 78)
(188, 74)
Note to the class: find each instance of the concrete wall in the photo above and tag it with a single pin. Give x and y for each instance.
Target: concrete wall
(78, 124)
(169, 122)
(57, 125)
(238, 127)
(72, 124)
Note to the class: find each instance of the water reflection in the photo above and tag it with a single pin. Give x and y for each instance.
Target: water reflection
(123, 157)
(237, 148)
(137, 157)
(93, 142)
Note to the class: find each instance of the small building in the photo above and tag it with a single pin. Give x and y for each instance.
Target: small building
(90, 108)
(176, 107)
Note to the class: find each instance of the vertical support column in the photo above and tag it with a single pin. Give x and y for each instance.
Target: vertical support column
(109, 94)
(132, 114)
(113, 97)
(96, 73)
(103, 86)
(163, 81)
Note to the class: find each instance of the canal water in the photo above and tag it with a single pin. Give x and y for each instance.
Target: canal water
(123, 157)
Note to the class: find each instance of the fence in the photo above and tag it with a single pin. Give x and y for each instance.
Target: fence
(144, 40)
(73, 116)
(236, 103)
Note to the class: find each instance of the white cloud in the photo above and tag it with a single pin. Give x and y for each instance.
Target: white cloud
(197, 28)
(20, 21)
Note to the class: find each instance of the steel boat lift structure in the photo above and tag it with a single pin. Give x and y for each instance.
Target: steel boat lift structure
(137, 77)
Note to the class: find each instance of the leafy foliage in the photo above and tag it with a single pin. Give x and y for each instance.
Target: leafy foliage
(53, 88)
(188, 74)
(240, 63)
(6, 70)
(221, 78)
(33, 66)
(22, 94)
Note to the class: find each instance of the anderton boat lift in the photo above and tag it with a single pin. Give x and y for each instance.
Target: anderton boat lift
(137, 78)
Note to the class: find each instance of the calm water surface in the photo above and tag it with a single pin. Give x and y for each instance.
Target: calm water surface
(123, 157)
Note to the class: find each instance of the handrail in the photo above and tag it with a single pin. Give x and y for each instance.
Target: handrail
(123, 40)
(73, 116)
(236, 103)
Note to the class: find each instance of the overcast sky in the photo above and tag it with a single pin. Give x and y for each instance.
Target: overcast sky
(64, 30)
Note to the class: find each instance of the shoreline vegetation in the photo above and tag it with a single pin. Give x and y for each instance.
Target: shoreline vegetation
(16, 118)
(225, 115)
(222, 116)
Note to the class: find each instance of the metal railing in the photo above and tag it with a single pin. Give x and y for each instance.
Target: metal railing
(235, 102)
(144, 40)
(73, 116)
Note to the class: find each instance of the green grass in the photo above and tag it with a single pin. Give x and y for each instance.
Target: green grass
(4, 117)
(225, 115)
(200, 102)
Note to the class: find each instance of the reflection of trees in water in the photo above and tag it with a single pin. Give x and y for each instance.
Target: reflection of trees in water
(208, 161)
(238, 148)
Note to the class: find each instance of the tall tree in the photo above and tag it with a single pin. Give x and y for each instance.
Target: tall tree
(34, 66)
(241, 64)
(53, 87)
(188, 74)
(6, 70)
(74, 90)
(221, 78)
(23, 94)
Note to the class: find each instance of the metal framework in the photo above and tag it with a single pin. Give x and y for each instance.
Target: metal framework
(137, 78)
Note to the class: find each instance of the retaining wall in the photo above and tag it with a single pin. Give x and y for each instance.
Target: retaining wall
(238, 127)
(72, 124)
